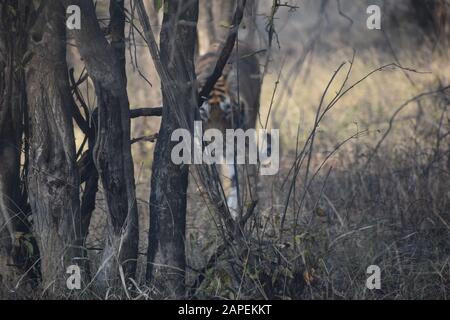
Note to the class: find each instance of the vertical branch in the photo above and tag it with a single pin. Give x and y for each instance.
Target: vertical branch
(117, 31)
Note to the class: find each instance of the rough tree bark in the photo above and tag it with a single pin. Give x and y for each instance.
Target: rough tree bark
(14, 230)
(169, 181)
(105, 64)
(53, 181)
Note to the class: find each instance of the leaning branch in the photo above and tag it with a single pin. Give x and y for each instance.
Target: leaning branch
(225, 53)
(146, 112)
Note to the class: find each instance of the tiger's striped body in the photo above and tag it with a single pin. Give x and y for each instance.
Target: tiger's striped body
(233, 104)
(234, 101)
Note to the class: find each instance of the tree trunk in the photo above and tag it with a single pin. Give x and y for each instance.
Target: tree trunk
(154, 17)
(251, 11)
(14, 232)
(105, 64)
(169, 181)
(206, 30)
(223, 15)
(53, 181)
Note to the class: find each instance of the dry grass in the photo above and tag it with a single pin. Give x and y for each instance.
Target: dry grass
(381, 198)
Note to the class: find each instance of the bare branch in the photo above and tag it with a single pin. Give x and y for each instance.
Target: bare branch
(152, 138)
(146, 112)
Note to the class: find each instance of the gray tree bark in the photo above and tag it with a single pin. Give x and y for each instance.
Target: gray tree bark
(14, 232)
(169, 181)
(53, 181)
(105, 64)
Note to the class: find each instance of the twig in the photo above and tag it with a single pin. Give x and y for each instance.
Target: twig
(151, 138)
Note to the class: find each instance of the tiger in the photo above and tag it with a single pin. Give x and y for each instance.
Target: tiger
(233, 103)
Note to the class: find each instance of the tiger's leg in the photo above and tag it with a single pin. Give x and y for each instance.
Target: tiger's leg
(233, 194)
(244, 182)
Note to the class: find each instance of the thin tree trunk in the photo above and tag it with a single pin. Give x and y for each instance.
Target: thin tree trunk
(112, 153)
(206, 30)
(251, 11)
(223, 15)
(53, 181)
(13, 229)
(169, 181)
